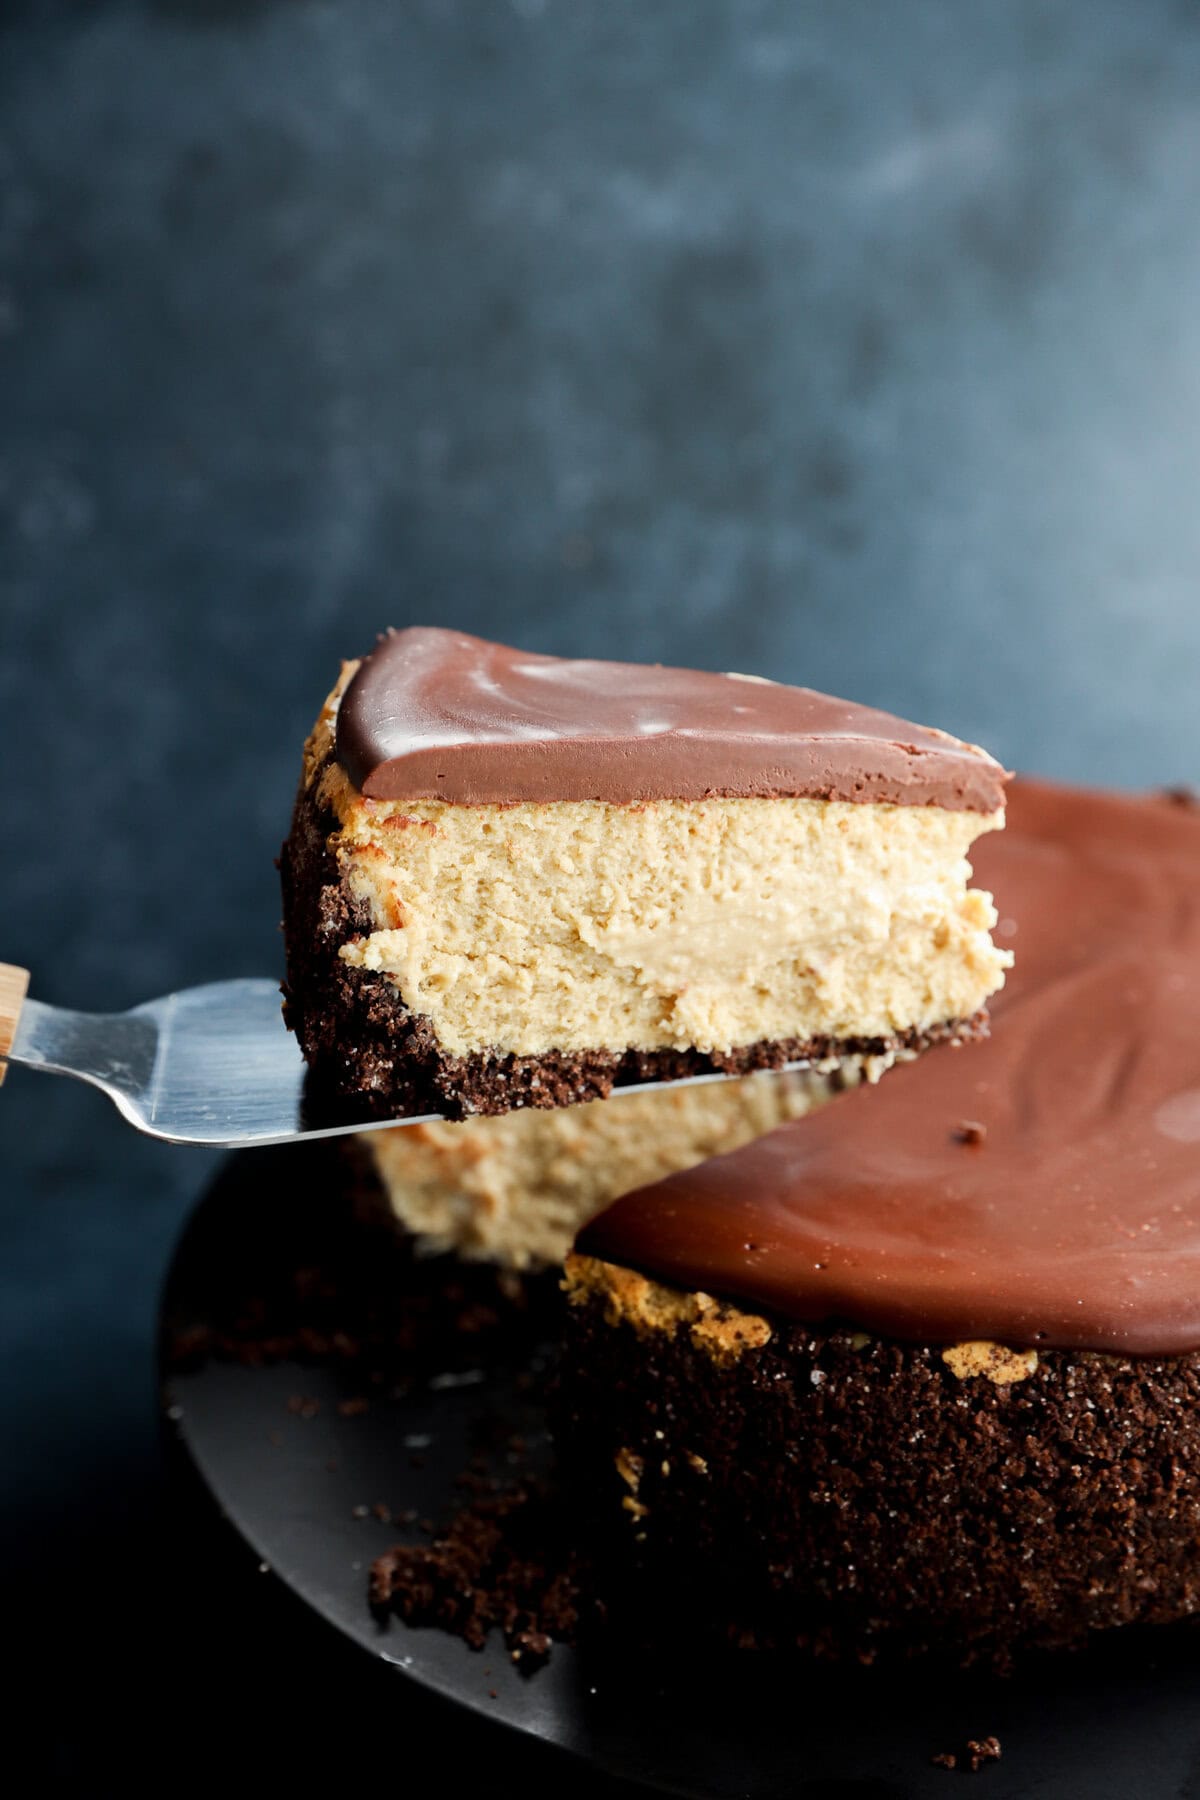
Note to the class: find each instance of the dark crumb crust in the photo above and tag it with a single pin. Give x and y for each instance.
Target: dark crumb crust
(853, 1500)
(506, 1559)
(370, 1057)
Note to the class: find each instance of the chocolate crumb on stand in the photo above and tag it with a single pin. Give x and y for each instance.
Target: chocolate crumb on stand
(970, 1131)
(971, 1758)
(503, 1561)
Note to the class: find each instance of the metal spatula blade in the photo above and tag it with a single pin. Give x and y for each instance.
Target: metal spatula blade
(212, 1066)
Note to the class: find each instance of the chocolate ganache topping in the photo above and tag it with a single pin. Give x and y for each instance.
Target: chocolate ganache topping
(1040, 1188)
(436, 715)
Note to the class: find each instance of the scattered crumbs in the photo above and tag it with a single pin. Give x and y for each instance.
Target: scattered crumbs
(416, 1440)
(305, 1406)
(383, 1512)
(971, 1758)
(980, 1751)
(360, 1512)
(969, 1131)
(354, 1408)
(409, 1516)
(507, 1561)
(492, 1694)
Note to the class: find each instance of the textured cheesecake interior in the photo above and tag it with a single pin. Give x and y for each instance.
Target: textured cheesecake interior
(711, 924)
(515, 1189)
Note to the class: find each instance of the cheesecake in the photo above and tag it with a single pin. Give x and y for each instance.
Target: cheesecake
(922, 1371)
(516, 1187)
(516, 880)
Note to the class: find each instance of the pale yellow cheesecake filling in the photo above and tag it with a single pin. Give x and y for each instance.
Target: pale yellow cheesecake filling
(515, 1189)
(670, 924)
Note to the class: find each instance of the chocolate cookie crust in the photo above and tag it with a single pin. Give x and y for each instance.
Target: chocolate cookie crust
(371, 1057)
(851, 1493)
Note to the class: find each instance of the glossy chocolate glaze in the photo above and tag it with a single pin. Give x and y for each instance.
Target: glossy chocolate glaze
(1072, 1218)
(437, 715)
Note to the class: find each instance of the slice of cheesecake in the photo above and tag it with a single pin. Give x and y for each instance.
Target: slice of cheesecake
(514, 880)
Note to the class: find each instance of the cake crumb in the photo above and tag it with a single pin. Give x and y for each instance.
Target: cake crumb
(995, 1362)
(969, 1131)
(630, 1468)
(971, 1758)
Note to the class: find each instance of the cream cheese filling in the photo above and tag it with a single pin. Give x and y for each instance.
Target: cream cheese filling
(516, 1188)
(670, 924)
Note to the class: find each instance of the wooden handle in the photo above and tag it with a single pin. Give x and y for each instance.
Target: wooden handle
(14, 984)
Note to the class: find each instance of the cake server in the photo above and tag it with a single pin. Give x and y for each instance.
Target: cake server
(212, 1065)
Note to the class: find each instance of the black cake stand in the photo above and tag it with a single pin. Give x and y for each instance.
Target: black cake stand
(300, 1454)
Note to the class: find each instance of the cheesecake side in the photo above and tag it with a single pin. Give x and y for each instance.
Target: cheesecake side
(846, 1492)
(516, 1188)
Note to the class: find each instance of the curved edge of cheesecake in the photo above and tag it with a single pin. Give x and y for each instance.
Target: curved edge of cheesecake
(829, 1488)
(384, 1014)
(515, 1188)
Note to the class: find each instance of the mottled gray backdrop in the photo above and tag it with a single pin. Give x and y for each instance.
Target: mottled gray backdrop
(856, 344)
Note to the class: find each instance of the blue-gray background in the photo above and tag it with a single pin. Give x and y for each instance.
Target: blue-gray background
(853, 344)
